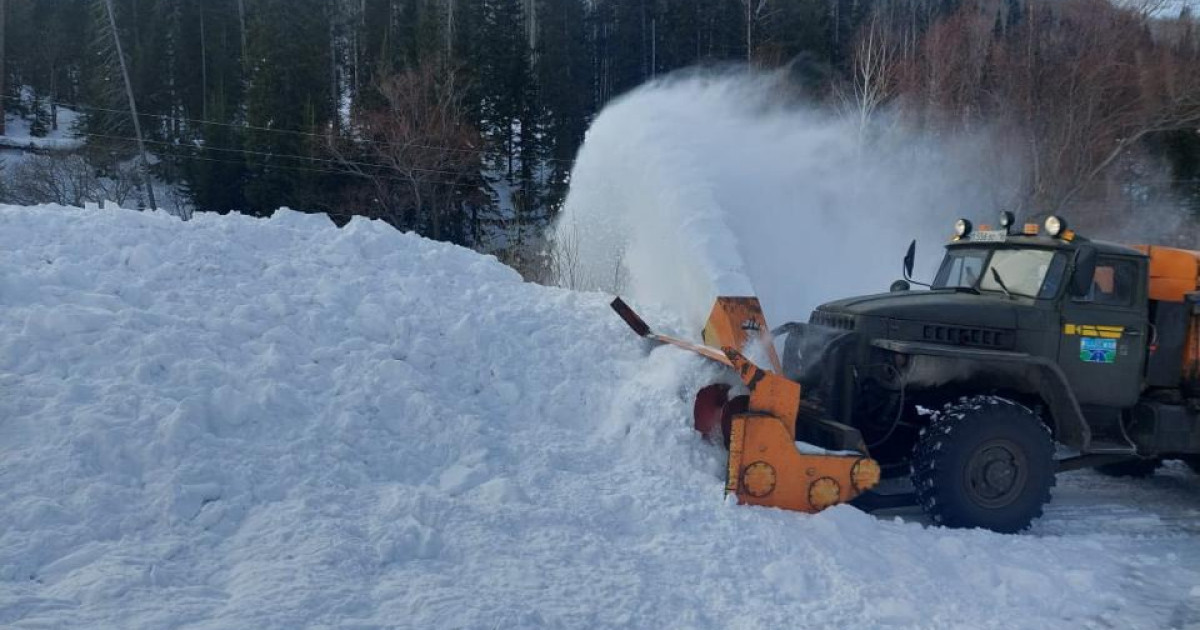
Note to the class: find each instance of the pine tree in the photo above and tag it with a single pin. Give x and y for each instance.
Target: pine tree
(45, 48)
(795, 29)
(106, 122)
(289, 105)
(209, 157)
(563, 84)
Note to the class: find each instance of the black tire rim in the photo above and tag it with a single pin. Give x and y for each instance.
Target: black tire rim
(996, 473)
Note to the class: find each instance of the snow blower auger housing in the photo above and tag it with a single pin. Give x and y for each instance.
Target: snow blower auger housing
(767, 464)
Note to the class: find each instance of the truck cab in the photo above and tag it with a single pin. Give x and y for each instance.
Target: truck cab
(1096, 334)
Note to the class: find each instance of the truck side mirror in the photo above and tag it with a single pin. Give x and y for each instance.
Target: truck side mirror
(909, 259)
(1085, 271)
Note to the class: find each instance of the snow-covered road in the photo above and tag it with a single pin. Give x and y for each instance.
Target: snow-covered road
(243, 423)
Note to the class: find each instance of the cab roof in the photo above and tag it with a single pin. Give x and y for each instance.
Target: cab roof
(1022, 240)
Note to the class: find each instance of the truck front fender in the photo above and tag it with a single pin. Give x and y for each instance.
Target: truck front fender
(1035, 375)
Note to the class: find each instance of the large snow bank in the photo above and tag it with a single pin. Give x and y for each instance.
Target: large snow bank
(241, 423)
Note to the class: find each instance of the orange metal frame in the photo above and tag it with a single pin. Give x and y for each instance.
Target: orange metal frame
(1174, 273)
(765, 466)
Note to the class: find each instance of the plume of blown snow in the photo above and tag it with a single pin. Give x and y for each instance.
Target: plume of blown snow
(701, 185)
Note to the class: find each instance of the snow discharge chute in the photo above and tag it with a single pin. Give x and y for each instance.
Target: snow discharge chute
(782, 453)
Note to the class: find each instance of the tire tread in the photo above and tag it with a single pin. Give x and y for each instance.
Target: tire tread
(936, 440)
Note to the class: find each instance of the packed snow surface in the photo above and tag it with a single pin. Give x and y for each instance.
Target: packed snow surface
(252, 423)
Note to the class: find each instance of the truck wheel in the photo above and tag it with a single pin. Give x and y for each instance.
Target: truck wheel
(984, 462)
(1139, 468)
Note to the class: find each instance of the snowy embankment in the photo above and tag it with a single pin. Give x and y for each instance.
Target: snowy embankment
(241, 423)
(19, 135)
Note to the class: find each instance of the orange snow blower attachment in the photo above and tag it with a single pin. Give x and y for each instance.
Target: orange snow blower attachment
(767, 465)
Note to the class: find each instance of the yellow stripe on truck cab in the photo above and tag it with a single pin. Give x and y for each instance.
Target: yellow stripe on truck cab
(1091, 330)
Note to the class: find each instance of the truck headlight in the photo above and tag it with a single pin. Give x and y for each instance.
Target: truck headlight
(1055, 226)
(962, 227)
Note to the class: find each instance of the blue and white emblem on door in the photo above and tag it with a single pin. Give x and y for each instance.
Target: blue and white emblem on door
(1097, 350)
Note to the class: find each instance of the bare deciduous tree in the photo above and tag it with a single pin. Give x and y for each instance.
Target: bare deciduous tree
(416, 152)
(755, 11)
(69, 180)
(1081, 82)
(873, 73)
(564, 253)
(1146, 8)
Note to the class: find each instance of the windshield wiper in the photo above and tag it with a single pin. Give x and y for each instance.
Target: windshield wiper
(996, 275)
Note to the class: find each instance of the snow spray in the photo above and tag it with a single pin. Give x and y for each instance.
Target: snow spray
(706, 184)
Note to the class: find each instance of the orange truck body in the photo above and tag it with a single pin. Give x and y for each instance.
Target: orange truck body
(1175, 273)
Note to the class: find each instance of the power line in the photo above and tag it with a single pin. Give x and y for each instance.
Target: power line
(247, 126)
(330, 161)
(343, 172)
(328, 171)
(317, 170)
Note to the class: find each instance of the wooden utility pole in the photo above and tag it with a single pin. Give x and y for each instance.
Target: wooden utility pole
(137, 124)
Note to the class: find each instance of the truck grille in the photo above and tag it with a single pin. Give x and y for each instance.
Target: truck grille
(965, 336)
(832, 320)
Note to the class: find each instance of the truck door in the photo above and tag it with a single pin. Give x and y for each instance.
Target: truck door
(1102, 348)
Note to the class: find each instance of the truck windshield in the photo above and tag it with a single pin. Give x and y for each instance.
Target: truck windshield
(1035, 273)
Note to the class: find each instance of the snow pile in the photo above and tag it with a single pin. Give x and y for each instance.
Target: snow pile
(241, 423)
(699, 185)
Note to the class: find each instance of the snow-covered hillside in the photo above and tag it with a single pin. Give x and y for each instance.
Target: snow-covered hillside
(18, 133)
(243, 423)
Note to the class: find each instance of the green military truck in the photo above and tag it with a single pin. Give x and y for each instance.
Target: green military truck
(1033, 350)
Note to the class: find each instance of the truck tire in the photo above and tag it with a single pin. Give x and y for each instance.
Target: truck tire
(984, 462)
(1137, 468)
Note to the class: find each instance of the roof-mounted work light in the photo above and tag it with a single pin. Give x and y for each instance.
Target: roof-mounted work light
(962, 227)
(1055, 226)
